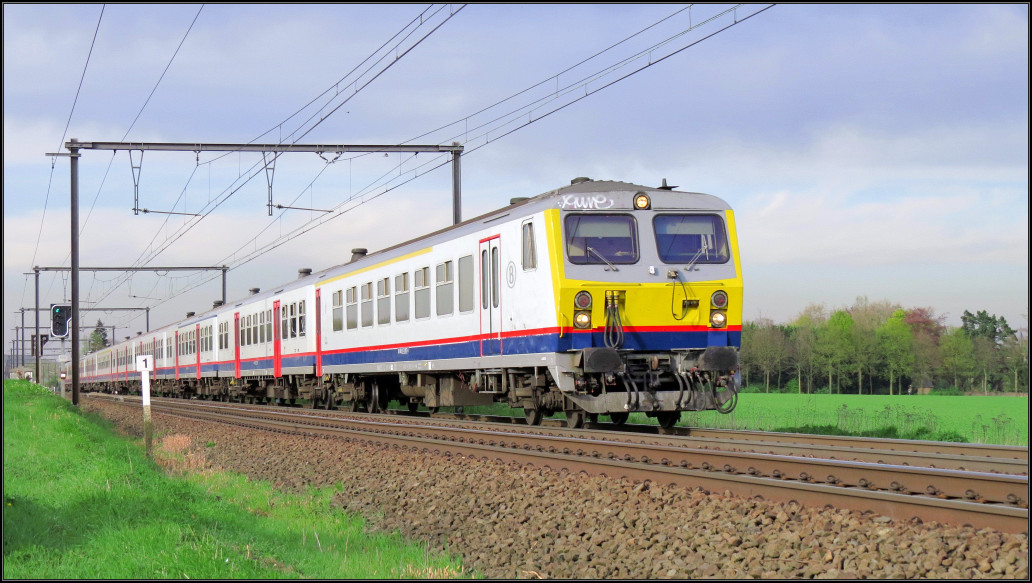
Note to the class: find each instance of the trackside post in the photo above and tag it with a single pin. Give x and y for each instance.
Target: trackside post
(144, 365)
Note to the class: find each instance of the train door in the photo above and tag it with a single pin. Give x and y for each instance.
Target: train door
(236, 345)
(277, 341)
(177, 354)
(318, 332)
(197, 345)
(490, 296)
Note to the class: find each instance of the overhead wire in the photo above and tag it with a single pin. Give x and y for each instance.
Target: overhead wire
(569, 88)
(133, 124)
(153, 90)
(71, 112)
(229, 191)
(252, 172)
(486, 127)
(435, 164)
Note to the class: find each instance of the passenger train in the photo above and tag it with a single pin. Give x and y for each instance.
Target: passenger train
(596, 299)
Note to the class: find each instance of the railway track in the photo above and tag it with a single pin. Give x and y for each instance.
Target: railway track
(960, 456)
(925, 481)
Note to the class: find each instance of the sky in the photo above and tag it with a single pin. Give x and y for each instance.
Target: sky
(869, 151)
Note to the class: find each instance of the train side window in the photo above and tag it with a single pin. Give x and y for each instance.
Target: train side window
(301, 325)
(338, 310)
(529, 256)
(254, 329)
(422, 295)
(268, 327)
(247, 330)
(367, 304)
(383, 301)
(401, 298)
(445, 289)
(495, 279)
(284, 323)
(485, 270)
(352, 304)
(467, 299)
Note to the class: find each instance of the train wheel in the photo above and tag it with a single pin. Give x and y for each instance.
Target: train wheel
(355, 406)
(413, 406)
(533, 416)
(315, 403)
(575, 418)
(619, 418)
(668, 419)
(328, 404)
(433, 409)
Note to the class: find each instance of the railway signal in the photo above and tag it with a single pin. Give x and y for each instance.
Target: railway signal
(60, 315)
(38, 342)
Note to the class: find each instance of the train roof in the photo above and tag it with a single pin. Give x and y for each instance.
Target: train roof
(663, 197)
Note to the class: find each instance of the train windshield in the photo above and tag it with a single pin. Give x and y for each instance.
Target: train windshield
(691, 239)
(601, 239)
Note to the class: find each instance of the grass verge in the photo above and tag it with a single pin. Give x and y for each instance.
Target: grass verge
(83, 503)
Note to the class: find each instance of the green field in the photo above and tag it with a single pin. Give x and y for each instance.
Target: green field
(83, 503)
(968, 419)
(998, 420)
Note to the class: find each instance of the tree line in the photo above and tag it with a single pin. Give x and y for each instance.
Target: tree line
(881, 348)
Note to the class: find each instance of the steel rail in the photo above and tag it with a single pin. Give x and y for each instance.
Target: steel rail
(899, 505)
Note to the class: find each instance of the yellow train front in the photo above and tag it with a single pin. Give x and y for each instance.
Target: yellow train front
(648, 296)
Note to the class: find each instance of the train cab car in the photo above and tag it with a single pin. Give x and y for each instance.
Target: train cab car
(600, 298)
(651, 286)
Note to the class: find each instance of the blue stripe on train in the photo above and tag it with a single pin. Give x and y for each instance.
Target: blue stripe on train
(529, 345)
(534, 344)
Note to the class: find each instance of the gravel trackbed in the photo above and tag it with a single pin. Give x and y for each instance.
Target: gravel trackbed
(508, 521)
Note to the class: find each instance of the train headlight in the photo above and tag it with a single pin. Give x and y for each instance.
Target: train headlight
(642, 202)
(719, 300)
(582, 319)
(718, 319)
(582, 301)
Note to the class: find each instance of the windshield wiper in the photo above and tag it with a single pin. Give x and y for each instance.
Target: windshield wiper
(602, 257)
(691, 263)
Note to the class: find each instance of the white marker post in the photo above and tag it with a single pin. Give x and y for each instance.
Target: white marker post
(144, 365)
